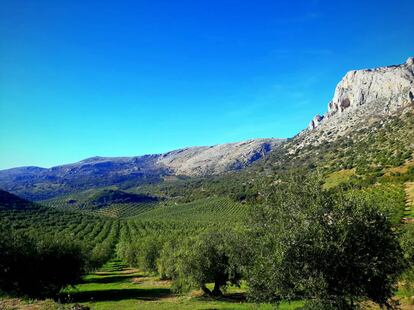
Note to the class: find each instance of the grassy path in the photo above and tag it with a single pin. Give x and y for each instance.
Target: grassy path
(117, 287)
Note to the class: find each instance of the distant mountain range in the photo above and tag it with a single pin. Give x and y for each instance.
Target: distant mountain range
(362, 98)
(37, 183)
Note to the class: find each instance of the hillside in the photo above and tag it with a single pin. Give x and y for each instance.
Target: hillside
(368, 126)
(143, 211)
(367, 130)
(370, 141)
(107, 202)
(39, 183)
(9, 201)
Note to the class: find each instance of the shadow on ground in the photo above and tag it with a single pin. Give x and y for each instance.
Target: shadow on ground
(229, 297)
(111, 279)
(120, 294)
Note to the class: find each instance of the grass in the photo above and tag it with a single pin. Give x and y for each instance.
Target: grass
(338, 177)
(116, 286)
(409, 190)
(400, 169)
(21, 304)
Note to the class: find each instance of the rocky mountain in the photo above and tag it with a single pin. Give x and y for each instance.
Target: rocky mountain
(363, 109)
(361, 98)
(368, 130)
(218, 158)
(41, 183)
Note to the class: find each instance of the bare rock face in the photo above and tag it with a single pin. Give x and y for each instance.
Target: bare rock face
(217, 158)
(393, 86)
(360, 98)
(315, 121)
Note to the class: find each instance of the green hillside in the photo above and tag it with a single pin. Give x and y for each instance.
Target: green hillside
(153, 230)
(203, 210)
(108, 202)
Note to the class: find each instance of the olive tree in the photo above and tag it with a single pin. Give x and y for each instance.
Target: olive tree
(407, 243)
(210, 257)
(328, 248)
(38, 268)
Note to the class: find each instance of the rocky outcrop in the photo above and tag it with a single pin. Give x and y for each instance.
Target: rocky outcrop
(361, 98)
(315, 121)
(371, 91)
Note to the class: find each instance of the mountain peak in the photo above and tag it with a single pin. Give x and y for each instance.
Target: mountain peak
(368, 92)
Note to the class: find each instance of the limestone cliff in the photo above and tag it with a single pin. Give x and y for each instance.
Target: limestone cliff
(380, 90)
(360, 98)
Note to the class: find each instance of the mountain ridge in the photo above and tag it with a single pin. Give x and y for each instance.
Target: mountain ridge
(42, 183)
(361, 99)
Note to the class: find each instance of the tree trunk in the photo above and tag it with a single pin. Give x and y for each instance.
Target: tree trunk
(216, 291)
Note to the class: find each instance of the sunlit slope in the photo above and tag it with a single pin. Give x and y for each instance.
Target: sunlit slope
(208, 209)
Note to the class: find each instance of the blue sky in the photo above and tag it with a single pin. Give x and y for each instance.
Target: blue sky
(120, 78)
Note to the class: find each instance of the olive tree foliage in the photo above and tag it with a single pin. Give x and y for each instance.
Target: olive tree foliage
(211, 257)
(328, 248)
(407, 243)
(38, 268)
(143, 253)
(149, 253)
(166, 263)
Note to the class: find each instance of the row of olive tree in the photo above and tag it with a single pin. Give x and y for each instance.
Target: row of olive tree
(327, 248)
(39, 268)
(211, 256)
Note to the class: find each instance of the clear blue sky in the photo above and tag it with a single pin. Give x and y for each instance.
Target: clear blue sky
(120, 78)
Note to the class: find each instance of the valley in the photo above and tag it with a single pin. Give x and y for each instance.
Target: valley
(255, 224)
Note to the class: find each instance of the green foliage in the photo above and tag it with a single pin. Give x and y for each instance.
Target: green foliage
(207, 258)
(97, 236)
(407, 243)
(147, 253)
(107, 202)
(38, 268)
(168, 259)
(142, 241)
(110, 196)
(322, 246)
(389, 198)
(208, 210)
